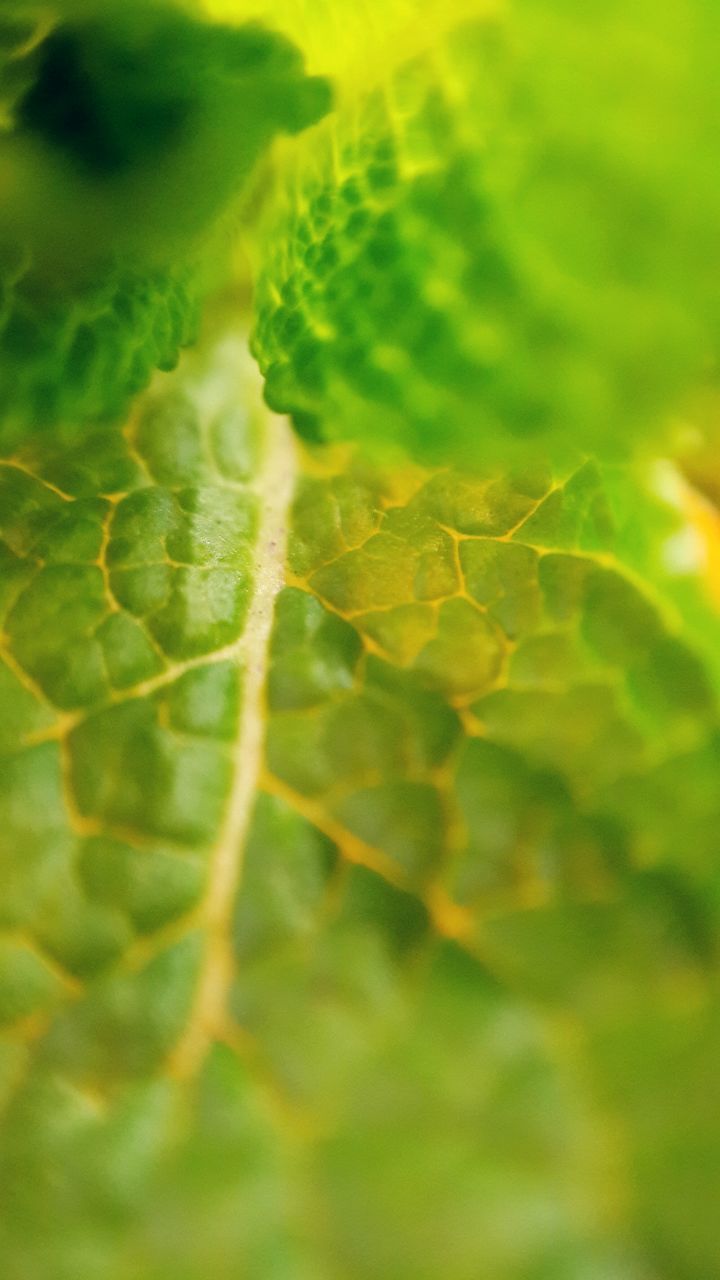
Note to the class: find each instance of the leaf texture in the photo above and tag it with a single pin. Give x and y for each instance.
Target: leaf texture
(383, 943)
(358, 798)
(490, 247)
(129, 136)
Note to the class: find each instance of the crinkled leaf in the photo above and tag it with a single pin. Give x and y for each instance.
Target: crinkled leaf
(128, 135)
(503, 237)
(358, 808)
(404, 967)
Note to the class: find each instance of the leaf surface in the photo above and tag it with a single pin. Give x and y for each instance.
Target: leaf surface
(129, 136)
(500, 241)
(358, 855)
(358, 798)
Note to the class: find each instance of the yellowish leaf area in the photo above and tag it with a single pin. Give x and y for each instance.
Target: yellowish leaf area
(349, 853)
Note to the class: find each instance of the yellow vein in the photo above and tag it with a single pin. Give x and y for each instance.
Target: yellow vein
(275, 486)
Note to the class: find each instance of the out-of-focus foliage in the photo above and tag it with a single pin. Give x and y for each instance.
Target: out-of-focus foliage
(359, 804)
(129, 134)
(505, 238)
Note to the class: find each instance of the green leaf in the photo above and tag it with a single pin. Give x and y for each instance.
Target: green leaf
(130, 137)
(501, 239)
(358, 804)
(357, 834)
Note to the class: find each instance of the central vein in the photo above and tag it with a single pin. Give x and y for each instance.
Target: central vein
(274, 487)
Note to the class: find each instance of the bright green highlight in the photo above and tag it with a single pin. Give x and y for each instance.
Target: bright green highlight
(502, 241)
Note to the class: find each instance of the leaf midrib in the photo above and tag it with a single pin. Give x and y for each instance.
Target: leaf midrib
(274, 489)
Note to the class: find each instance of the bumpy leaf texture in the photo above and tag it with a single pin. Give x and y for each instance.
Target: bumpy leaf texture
(130, 133)
(358, 801)
(506, 233)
